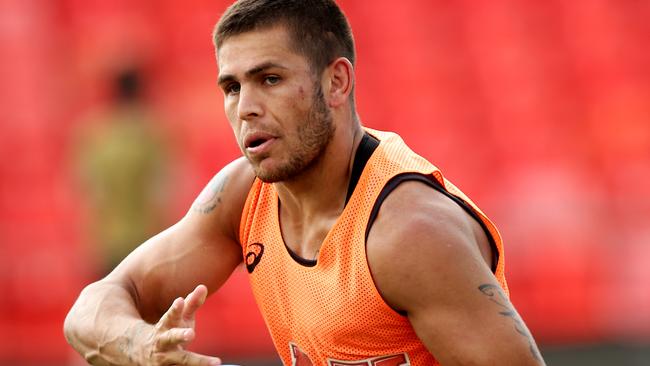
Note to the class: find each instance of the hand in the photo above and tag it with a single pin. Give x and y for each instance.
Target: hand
(174, 331)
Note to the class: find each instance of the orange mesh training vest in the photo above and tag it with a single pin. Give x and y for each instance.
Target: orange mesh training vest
(331, 313)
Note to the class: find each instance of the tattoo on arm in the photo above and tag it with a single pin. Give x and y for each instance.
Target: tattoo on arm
(210, 197)
(126, 344)
(496, 295)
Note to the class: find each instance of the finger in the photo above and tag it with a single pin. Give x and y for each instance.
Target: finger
(173, 316)
(194, 301)
(186, 358)
(173, 337)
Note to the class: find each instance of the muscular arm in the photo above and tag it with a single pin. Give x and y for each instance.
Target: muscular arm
(111, 322)
(443, 281)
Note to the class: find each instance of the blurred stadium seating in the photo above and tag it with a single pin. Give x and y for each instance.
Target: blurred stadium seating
(539, 110)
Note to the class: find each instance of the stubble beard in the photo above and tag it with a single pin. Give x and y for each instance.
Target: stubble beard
(314, 135)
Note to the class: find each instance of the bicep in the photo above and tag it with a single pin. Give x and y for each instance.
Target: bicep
(202, 248)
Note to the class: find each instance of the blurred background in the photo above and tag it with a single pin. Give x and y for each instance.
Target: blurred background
(111, 122)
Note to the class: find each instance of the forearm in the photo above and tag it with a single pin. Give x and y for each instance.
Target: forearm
(103, 325)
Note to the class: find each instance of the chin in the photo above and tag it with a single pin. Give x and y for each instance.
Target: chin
(266, 173)
(277, 173)
(268, 177)
(271, 170)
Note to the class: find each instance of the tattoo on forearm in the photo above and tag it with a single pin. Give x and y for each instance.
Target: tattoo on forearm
(210, 197)
(496, 295)
(125, 345)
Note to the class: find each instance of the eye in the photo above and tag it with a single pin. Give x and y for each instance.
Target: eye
(272, 79)
(232, 88)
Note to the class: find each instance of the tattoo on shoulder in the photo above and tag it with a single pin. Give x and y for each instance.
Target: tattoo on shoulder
(210, 197)
(495, 294)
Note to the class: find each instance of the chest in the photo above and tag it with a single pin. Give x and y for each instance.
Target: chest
(323, 298)
(304, 239)
(331, 310)
(330, 302)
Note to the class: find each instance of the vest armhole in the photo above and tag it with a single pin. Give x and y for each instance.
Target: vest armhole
(433, 183)
(367, 146)
(253, 192)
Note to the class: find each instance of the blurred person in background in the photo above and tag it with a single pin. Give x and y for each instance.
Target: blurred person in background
(358, 250)
(120, 157)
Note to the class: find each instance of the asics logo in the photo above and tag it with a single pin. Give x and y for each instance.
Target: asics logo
(253, 256)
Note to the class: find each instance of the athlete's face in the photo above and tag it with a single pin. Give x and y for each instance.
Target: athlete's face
(274, 103)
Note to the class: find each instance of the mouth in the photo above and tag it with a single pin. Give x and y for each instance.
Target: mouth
(255, 143)
(258, 142)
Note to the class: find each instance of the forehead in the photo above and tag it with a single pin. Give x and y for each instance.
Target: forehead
(245, 51)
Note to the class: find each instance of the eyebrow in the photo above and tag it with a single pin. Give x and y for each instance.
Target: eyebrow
(250, 73)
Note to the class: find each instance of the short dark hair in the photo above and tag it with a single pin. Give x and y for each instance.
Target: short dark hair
(318, 28)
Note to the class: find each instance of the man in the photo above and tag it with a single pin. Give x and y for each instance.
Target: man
(359, 251)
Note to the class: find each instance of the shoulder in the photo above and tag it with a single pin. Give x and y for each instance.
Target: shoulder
(222, 199)
(424, 256)
(421, 237)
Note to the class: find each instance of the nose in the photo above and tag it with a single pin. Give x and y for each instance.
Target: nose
(249, 104)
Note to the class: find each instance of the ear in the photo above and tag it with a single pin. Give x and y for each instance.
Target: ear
(340, 79)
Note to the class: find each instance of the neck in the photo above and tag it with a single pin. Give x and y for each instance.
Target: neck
(322, 188)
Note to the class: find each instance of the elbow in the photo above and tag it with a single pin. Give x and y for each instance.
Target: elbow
(69, 327)
(71, 324)
(75, 327)
(76, 330)
(73, 334)
(72, 319)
